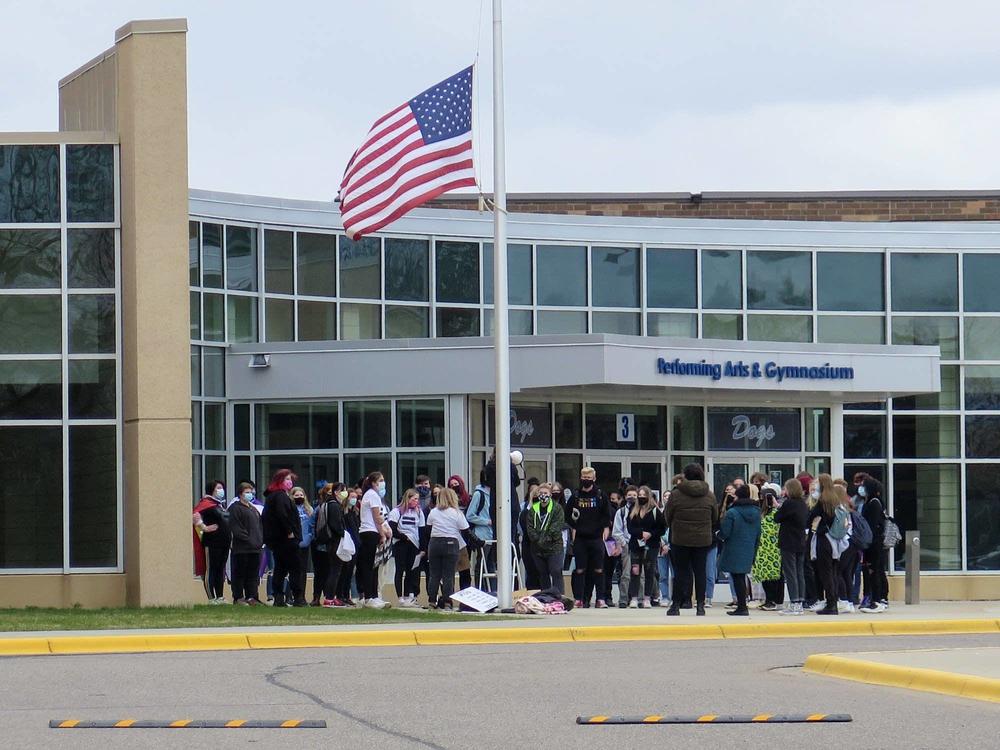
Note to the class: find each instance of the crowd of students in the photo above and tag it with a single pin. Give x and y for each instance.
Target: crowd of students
(823, 539)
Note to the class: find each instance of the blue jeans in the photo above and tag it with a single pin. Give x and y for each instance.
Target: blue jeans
(663, 568)
(711, 567)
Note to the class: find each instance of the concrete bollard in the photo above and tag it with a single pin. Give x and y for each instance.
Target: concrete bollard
(912, 567)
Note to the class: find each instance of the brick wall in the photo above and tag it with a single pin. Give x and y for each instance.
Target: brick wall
(818, 208)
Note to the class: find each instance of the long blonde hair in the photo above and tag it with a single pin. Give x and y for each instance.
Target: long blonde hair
(447, 499)
(642, 510)
(305, 503)
(827, 494)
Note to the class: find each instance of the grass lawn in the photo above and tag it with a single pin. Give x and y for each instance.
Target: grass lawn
(37, 618)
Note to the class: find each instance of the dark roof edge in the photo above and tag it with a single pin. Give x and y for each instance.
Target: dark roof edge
(835, 195)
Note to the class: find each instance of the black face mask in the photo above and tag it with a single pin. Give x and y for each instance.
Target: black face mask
(642, 500)
(586, 483)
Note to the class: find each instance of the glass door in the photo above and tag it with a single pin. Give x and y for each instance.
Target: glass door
(537, 466)
(609, 474)
(649, 473)
(778, 471)
(725, 469)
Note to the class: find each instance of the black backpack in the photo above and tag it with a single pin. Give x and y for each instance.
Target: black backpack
(323, 535)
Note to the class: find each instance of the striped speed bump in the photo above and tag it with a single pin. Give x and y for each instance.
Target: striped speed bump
(187, 724)
(716, 719)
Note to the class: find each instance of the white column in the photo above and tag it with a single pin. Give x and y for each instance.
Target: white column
(837, 441)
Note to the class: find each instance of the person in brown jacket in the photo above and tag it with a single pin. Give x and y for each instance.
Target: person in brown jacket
(692, 516)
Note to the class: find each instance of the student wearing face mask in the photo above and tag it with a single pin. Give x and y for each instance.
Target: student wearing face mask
(348, 499)
(212, 536)
(374, 531)
(613, 559)
(406, 521)
(873, 565)
(248, 538)
(645, 528)
(479, 514)
(328, 530)
(587, 515)
(306, 520)
(422, 485)
(620, 535)
(543, 526)
(740, 528)
(282, 534)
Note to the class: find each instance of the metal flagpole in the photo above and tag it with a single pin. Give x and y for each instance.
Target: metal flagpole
(502, 490)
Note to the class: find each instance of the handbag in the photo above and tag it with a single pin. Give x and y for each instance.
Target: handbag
(346, 549)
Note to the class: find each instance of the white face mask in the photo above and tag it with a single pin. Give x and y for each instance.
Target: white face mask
(861, 491)
(815, 494)
(220, 493)
(248, 496)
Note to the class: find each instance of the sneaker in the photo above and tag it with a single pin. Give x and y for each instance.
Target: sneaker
(827, 611)
(881, 607)
(708, 604)
(739, 612)
(601, 604)
(654, 603)
(217, 601)
(622, 604)
(329, 603)
(731, 605)
(869, 610)
(787, 610)
(578, 603)
(845, 606)
(884, 603)
(817, 606)
(700, 610)
(768, 607)
(376, 603)
(409, 602)
(865, 603)
(674, 611)
(270, 600)
(645, 602)
(633, 603)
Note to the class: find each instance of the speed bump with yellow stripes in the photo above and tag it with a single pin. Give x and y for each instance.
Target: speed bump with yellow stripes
(762, 718)
(187, 724)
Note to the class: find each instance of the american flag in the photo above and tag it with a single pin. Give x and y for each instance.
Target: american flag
(419, 150)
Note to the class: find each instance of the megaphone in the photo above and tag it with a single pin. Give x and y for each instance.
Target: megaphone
(516, 458)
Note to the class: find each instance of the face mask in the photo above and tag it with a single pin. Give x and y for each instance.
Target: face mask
(248, 496)
(381, 489)
(544, 498)
(630, 499)
(586, 483)
(567, 493)
(352, 502)
(413, 503)
(643, 500)
(862, 492)
(454, 488)
(814, 494)
(424, 492)
(342, 495)
(299, 500)
(287, 484)
(220, 494)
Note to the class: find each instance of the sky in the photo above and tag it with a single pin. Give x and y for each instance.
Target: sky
(602, 97)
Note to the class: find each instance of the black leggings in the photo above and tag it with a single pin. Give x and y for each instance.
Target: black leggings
(215, 576)
(873, 573)
(740, 585)
(688, 562)
(346, 577)
(846, 566)
(321, 569)
(286, 565)
(244, 577)
(774, 591)
(589, 573)
(333, 566)
(407, 577)
(643, 564)
(367, 575)
(826, 570)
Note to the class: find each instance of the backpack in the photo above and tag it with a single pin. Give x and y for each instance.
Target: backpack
(891, 536)
(323, 535)
(861, 532)
(838, 529)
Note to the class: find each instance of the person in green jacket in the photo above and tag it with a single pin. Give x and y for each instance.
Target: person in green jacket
(767, 562)
(740, 530)
(544, 525)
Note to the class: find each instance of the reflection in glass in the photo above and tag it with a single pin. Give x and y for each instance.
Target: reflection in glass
(626, 324)
(687, 428)
(779, 280)
(924, 281)
(279, 315)
(91, 259)
(982, 436)
(457, 268)
(850, 281)
(214, 317)
(925, 436)
(317, 264)
(569, 425)
(195, 298)
(817, 430)
(562, 275)
(850, 329)
(360, 269)
(310, 469)
(650, 427)
(31, 259)
(215, 436)
(721, 279)
(406, 269)
(93, 496)
(982, 510)
(518, 274)
(283, 427)
(30, 390)
(864, 436)
(722, 326)
(928, 498)
(982, 338)
(194, 252)
(420, 423)
(927, 331)
(615, 277)
(91, 323)
(567, 470)
(519, 322)
(671, 278)
(367, 424)
(241, 429)
(947, 398)
(317, 321)
(195, 371)
(30, 324)
(29, 184)
(31, 505)
(359, 465)
(982, 387)
(196, 426)
(360, 321)
(90, 183)
(211, 255)
(92, 389)
(675, 325)
(214, 365)
(411, 465)
(454, 321)
(779, 328)
(979, 282)
(278, 254)
(562, 321)
(405, 322)
(242, 314)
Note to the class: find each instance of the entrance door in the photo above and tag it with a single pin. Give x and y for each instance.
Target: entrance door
(536, 466)
(640, 470)
(723, 469)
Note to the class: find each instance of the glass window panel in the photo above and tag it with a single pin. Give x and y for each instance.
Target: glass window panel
(90, 182)
(215, 432)
(457, 268)
(569, 425)
(866, 406)
(518, 274)
(561, 321)
(456, 321)
(850, 329)
(779, 328)
(278, 256)
(476, 410)
(30, 324)
(91, 259)
(979, 282)
(925, 436)
(91, 323)
(411, 465)
(850, 281)
(615, 276)
(31, 259)
(195, 371)
(567, 470)
(92, 389)
(359, 465)
(982, 338)
(360, 268)
(317, 321)
(687, 428)
(671, 278)
(280, 317)
(211, 255)
(924, 281)
(519, 322)
(29, 184)
(982, 436)
(310, 469)
(720, 326)
(241, 427)
(873, 470)
(196, 425)
(367, 424)
(562, 275)
(241, 258)
(241, 469)
(676, 325)
(927, 331)
(296, 426)
(214, 365)
(947, 398)
(650, 427)
(612, 322)
(360, 321)
(982, 387)
(420, 423)
(779, 280)
(215, 466)
(317, 264)
(679, 462)
(214, 317)
(197, 485)
(406, 270)
(721, 279)
(31, 507)
(242, 315)
(93, 496)
(30, 390)
(982, 511)
(928, 498)
(864, 436)
(195, 316)
(194, 252)
(816, 465)
(404, 322)
(817, 429)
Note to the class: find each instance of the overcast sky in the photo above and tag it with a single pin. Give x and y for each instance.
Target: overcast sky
(628, 96)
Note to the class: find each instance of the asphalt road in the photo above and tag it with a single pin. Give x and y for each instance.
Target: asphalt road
(473, 698)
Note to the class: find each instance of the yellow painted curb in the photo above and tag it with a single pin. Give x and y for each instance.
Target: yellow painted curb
(331, 639)
(479, 636)
(912, 678)
(785, 629)
(24, 646)
(933, 627)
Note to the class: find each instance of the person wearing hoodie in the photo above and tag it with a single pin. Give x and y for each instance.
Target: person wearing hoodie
(740, 529)
(307, 521)
(211, 526)
(587, 515)
(543, 526)
(873, 567)
(691, 518)
(248, 538)
(793, 519)
(645, 528)
(822, 548)
(282, 534)
(479, 514)
(620, 535)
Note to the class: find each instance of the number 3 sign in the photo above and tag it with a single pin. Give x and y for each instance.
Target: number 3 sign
(626, 427)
